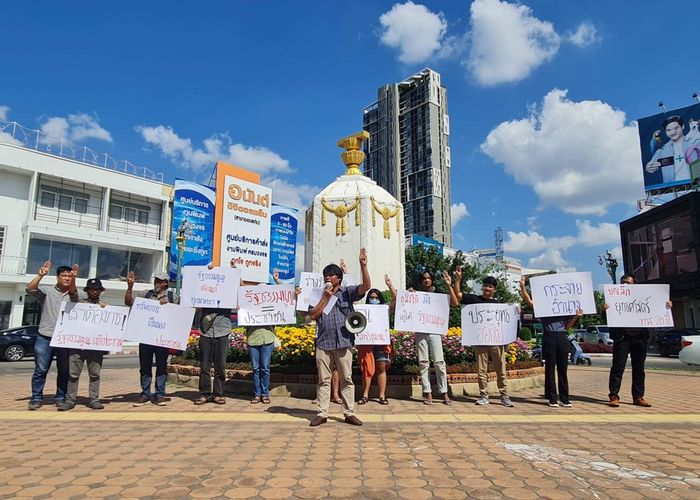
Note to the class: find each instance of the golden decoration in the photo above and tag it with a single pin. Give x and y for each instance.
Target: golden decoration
(309, 219)
(341, 212)
(353, 157)
(386, 214)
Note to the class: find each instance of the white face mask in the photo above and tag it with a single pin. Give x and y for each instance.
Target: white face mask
(374, 301)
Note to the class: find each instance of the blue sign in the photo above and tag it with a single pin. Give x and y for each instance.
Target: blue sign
(194, 203)
(283, 242)
(417, 239)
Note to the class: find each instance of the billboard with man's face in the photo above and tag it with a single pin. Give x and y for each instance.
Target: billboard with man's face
(670, 144)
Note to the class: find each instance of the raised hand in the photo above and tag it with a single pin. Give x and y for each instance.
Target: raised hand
(447, 278)
(344, 267)
(275, 274)
(233, 263)
(388, 281)
(458, 274)
(210, 266)
(74, 271)
(363, 256)
(130, 278)
(44, 269)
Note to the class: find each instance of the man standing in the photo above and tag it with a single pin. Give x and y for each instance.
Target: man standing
(160, 293)
(78, 357)
(50, 298)
(334, 342)
(496, 353)
(670, 157)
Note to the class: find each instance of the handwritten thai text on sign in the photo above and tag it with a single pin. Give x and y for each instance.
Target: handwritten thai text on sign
(638, 306)
(163, 325)
(489, 324)
(562, 294)
(89, 326)
(266, 305)
(422, 312)
(213, 288)
(377, 330)
(308, 282)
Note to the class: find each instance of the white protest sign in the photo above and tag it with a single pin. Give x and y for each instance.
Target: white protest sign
(315, 298)
(266, 305)
(377, 330)
(638, 305)
(348, 280)
(489, 324)
(89, 326)
(163, 325)
(308, 282)
(214, 288)
(562, 294)
(422, 312)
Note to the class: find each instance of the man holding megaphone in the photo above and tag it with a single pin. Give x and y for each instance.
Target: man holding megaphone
(334, 341)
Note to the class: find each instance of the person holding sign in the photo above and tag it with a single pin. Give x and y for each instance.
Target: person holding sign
(632, 342)
(50, 298)
(555, 352)
(333, 342)
(78, 357)
(497, 353)
(160, 293)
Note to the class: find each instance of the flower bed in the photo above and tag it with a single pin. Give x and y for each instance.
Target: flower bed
(596, 348)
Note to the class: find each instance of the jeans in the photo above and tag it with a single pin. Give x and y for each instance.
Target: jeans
(260, 356)
(555, 352)
(636, 347)
(213, 350)
(78, 357)
(43, 354)
(425, 345)
(146, 353)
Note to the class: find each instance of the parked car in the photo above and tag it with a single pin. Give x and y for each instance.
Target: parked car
(690, 353)
(669, 341)
(18, 342)
(597, 334)
(579, 334)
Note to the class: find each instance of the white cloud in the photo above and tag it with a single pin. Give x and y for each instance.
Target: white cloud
(458, 211)
(297, 196)
(217, 147)
(603, 234)
(586, 34)
(508, 42)
(529, 242)
(551, 259)
(4, 112)
(578, 156)
(74, 128)
(415, 31)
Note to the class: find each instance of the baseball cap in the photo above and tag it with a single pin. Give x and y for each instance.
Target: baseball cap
(94, 283)
(161, 277)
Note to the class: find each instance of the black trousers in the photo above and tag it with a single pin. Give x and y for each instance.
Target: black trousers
(212, 350)
(636, 347)
(555, 352)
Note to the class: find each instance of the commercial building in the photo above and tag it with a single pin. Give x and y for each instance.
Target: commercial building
(408, 153)
(73, 206)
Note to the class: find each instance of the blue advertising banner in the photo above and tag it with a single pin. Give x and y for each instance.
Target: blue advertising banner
(283, 242)
(417, 239)
(670, 144)
(194, 203)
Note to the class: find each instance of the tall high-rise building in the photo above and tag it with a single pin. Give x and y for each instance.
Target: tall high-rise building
(408, 152)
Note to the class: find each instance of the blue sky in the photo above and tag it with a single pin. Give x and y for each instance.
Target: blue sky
(542, 97)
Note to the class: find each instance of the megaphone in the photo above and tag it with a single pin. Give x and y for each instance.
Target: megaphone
(355, 322)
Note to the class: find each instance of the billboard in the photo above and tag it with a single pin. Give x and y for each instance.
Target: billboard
(283, 242)
(670, 146)
(417, 239)
(194, 203)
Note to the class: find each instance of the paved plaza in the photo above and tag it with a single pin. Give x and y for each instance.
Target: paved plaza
(405, 450)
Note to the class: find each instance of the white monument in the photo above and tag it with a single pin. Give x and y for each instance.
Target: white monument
(354, 212)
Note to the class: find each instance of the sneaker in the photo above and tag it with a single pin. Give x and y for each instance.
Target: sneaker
(65, 406)
(614, 402)
(95, 405)
(160, 401)
(505, 401)
(554, 404)
(567, 405)
(142, 400)
(483, 400)
(34, 405)
(642, 402)
(58, 402)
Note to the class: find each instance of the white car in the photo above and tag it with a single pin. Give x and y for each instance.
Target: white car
(690, 354)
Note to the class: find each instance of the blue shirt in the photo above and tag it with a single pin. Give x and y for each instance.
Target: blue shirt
(331, 333)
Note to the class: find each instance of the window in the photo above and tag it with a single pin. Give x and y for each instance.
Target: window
(115, 264)
(143, 217)
(47, 199)
(80, 205)
(60, 253)
(3, 233)
(115, 211)
(130, 214)
(65, 202)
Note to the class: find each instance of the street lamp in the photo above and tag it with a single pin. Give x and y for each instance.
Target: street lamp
(610, 264)
(180, 239)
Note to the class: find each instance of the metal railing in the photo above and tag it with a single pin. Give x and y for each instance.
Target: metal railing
(12, 265)
(14, 133)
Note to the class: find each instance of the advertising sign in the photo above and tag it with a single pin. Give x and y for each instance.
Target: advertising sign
(193, 203)
(212, 288)
(489, 324)
(283, 242)
(422, 312)
(89, 326)
(638, 306)
(670, 145)
(562, 294)
(163, 325)
(266, 305)
(377, 330)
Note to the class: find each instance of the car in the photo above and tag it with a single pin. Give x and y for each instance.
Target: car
(690, 353)
(579, 334)
(18, 342)
(598, 334)
(669, 341)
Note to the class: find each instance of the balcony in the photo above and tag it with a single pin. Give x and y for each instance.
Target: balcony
(12, 265)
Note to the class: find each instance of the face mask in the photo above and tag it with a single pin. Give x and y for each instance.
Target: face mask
(374, 301)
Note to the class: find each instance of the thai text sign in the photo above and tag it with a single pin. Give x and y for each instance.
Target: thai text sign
(489, 324)
(266, 305)
(638, 306)
(283, 242)
(214, 288)
(562, 294)
(377, 330)
(163, 325)
(89, 326)
(422, 312)
(308, 282)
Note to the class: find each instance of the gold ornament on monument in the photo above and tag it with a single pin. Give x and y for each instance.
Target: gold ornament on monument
(353, 156)
(386, 214)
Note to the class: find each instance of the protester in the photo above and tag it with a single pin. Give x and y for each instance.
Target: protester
(78, 357)
(160, 293)
(334, 342)
(555, 352)
(633, 342)
(376, 358)
(427, 346)
(50, 298)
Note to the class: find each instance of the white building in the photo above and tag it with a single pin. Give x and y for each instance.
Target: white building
(70, 211)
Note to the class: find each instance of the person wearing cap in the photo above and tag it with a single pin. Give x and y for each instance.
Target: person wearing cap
(160, 293)
(78, 357)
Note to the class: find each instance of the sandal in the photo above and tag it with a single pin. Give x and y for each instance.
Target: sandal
(427, 401)
(337, 401)
(266, 400)
(383, 401)
(447, 402)
(362, 401)
(255, 400)
(219, 400)
(202, 400)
